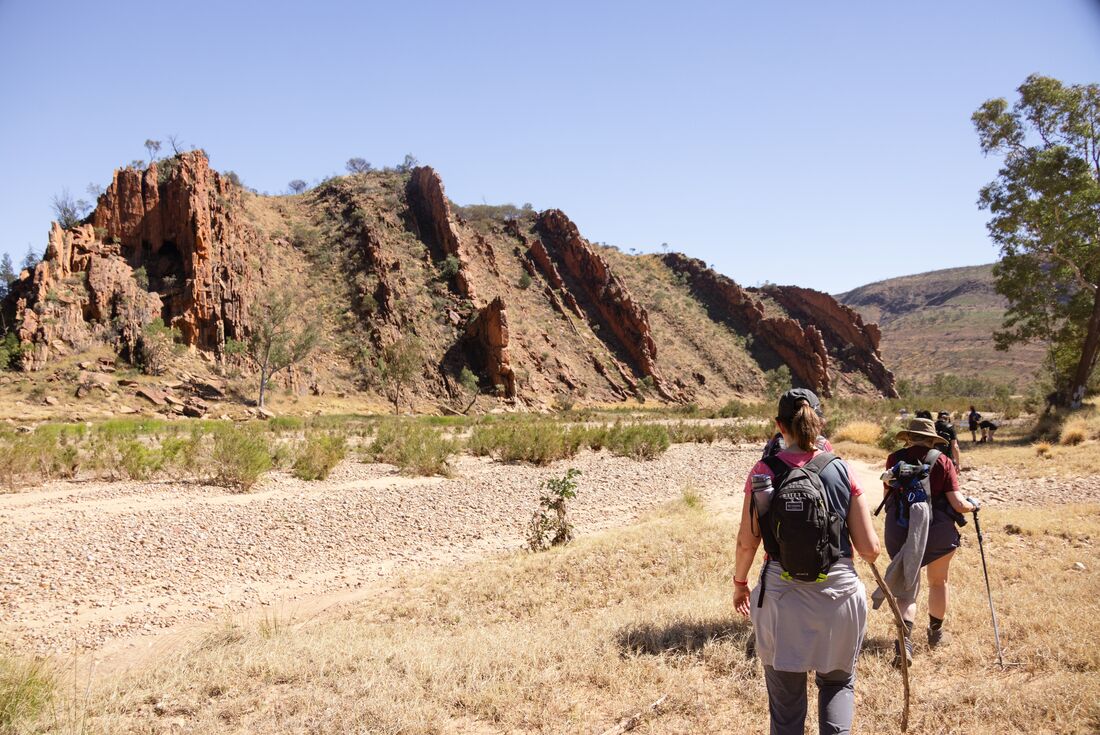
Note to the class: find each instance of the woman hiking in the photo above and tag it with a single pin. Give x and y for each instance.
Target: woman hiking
(806, 626)
(947, 503)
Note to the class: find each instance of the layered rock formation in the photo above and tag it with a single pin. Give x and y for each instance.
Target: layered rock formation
(487, 335)
(850, 341)
(801, 348)
(82, 288)
(174, 224)
(181, 242)
(434, 223)
(602, 292)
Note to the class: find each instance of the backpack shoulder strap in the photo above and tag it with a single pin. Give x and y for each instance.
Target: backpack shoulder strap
(932, 456)
(818, 464)
(778, 467)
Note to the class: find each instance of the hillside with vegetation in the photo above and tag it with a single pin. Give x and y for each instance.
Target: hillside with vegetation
(374, 289)
(942, 322)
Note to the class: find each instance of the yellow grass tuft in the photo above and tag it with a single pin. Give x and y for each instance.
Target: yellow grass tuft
(1074, 432)
(860, 432)
(1042, 449)
(574, 639)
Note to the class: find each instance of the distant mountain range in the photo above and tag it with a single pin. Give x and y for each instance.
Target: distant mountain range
(942, 322)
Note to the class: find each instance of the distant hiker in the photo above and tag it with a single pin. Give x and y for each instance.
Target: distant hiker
(920, 527)
(988, 428)
(924, 414)
(973, 418)
(802, 626)
(776, 444)
(946, 429)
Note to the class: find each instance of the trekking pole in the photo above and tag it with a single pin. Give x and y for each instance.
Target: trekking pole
(901, 643)
(988, 592)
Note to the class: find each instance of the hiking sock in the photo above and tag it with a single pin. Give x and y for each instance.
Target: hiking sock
(934, 623)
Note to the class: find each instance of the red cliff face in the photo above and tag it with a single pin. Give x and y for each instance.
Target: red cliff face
(435, 224)
(600, 291)
(79, 291)
(177, 221)
(487, 335)
(849, 340)
(801, 348)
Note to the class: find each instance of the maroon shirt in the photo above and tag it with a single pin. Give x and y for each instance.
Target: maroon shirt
(943, 476)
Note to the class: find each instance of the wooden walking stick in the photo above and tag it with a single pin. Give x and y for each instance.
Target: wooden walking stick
(901, 642)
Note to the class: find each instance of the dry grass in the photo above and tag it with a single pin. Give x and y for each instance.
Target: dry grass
(573, 639)
(859, 432)
(1074, 432)
(1041, 459)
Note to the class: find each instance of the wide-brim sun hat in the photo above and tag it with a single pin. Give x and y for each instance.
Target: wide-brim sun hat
(921, 429)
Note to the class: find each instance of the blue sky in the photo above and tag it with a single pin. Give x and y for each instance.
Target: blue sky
(822, 144)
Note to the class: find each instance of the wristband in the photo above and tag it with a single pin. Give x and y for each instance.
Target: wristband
(742, 582)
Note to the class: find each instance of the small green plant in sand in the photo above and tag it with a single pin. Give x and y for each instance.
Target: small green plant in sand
(549, 525)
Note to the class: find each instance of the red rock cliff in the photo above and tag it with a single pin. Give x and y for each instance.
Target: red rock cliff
(601, 291)
(801, 348)
(177, 220)
(434, 223)
(488, 340)
(848, 339)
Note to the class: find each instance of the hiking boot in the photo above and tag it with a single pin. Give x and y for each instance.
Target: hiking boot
(908, 653)
(937, 637)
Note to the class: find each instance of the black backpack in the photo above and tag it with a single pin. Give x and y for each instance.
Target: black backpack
(800, 530)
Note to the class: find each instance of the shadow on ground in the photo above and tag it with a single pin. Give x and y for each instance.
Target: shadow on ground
(681, 638)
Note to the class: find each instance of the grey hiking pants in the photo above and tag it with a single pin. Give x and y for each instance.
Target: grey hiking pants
(787, 701)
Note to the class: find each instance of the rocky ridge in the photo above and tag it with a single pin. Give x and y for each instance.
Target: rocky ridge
(522, 299)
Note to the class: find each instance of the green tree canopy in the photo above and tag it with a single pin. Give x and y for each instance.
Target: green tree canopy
(1045, 207)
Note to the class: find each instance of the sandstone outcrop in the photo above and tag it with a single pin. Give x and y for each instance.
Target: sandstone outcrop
(487, 335)
(80, 290)
(189, 235)
(176, 224)
(801, 348)
(603, 293)
(849, 340)
(434, 223)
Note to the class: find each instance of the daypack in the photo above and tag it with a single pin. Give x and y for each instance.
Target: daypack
(911, 483)
(799, 529)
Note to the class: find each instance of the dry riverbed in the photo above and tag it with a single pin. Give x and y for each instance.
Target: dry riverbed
(114, 566)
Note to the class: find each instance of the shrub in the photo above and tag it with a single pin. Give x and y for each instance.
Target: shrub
(449, 267)
(549, 525)
(639, 441)
(158, 343)
(416, 449)
(525, 281)
(539, 443)
(139, 462)
(860, 432)
(682, 433)
(1042, 449)
(280, 424)
(733, 409)
(181, 453)
(141, 277)
(239, 458)
(888, 438)
(319, 455)
(11, 352)
(1074, 431)
(26, 686)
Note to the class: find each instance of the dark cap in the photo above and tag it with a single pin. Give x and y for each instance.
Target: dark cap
(792, 400)
(943, 415)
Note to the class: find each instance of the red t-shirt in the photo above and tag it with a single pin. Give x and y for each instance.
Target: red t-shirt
(943, 476)
(797, 458)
